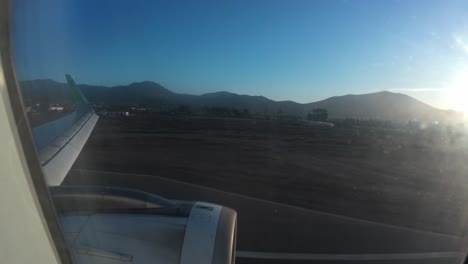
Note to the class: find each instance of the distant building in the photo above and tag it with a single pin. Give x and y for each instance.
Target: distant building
(56, 108)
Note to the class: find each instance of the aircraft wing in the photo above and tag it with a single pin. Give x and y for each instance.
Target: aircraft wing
(119, 225)
(60, 141)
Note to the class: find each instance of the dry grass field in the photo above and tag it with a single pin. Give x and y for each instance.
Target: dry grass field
(397, 176)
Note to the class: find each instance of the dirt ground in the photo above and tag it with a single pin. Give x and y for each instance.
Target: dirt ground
(393, 176)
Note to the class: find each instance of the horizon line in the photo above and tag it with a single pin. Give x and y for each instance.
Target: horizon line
(391, 91)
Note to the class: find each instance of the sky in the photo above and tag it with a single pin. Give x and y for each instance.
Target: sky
(300, 50)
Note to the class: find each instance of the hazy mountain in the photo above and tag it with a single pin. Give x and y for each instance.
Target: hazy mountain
(45, 91)
(382, 105)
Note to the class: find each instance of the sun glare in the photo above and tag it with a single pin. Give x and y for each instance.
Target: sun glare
(456, 93)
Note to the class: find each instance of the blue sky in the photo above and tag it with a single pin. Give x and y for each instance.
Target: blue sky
(286, 50)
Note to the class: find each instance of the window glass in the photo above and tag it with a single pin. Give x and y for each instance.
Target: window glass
(335, 129)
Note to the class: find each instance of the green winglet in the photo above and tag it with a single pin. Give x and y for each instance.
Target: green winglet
(77, 97)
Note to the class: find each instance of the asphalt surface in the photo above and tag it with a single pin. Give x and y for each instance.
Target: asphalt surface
(270, 232)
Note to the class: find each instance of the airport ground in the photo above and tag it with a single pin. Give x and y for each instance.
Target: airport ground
(394, 177)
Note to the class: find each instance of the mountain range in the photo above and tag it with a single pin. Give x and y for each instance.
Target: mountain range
(384, 105)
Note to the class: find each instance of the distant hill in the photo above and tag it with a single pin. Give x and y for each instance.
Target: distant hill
(39, 91)
(382, 105)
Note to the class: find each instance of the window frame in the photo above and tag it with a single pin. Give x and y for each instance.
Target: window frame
(23, 129)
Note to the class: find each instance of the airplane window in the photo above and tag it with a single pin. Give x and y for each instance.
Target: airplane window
(255, 131)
